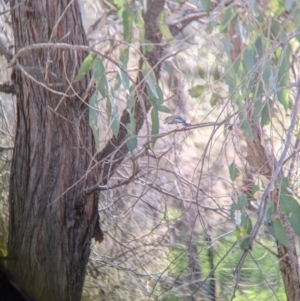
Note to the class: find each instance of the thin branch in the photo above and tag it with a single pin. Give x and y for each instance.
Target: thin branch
(95, 188)
(263, 203)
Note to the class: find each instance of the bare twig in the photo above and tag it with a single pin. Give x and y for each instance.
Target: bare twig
(263, 203)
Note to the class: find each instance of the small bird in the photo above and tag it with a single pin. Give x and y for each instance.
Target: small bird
(176, 119)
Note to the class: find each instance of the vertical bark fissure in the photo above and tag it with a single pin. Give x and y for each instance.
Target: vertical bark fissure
(52, 224)
(288, 259)
(50, 232)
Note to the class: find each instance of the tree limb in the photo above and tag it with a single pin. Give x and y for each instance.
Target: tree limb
(115, 150)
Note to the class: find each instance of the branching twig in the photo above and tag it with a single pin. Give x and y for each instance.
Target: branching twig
(263, 203)
(95, 188)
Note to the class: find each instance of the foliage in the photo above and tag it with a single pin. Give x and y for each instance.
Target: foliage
(230, 71)
(251, 74)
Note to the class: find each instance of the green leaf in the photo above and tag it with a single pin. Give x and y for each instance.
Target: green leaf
(259, 49)
(230, 77)
(100, 77)
(147, 46)
(150, 78)
(257, 109)
(93, 117)
(214, 99)
(296, 15)
(155, 101)
(127, 23)
(283, 78)
(124, 57)
(266, 112)
(227, 18)
(160, 99)
(85, 67)
(236, 65)
(130, 99)
(108, 109)
(289, 205)
(233, 208)
(249, 58)
(115, 125)
(244, 242)
(131, 140)
(227, 44)
(268, 76)
(241, 204)
(247, 128)
(275, 227)
(277, 8)
(242, 201)
(164, 28)
(164, 109)
(252, 6)
(245, 125)
(243, 231)
(276, 29)
(122, 78)
(205, 5)
(155, 124)
(233, 171)
(246, 223)
(289, 4)
(196, 91)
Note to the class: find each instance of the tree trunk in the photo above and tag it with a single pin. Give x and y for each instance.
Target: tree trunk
(51, 220)
(287, 257)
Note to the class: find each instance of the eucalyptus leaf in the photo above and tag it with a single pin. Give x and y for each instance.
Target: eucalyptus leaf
(155, 124)
(164, 109)
(150, 78)
(233, 171)
(278, 232)
(93, 118)
(249, 58)
(266, 112)
(130, 99)
(245, 125)
(100, 77)
(227, 19)
(230, 78)
(155, 101)
(124, 57)
(127, 23)
(131, 139)
(131, 142)
(242, 201)
(283, 77)
(115, 123)
(196, 91)
(85, 67)
(164, 28)
(290, 206)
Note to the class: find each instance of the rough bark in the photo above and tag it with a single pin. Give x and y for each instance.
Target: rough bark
(287, 257)
(265, 163)
(51, 220)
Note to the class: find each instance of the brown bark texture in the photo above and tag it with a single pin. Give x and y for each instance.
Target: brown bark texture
(288, 260)
(264, 162)
(51, 220)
